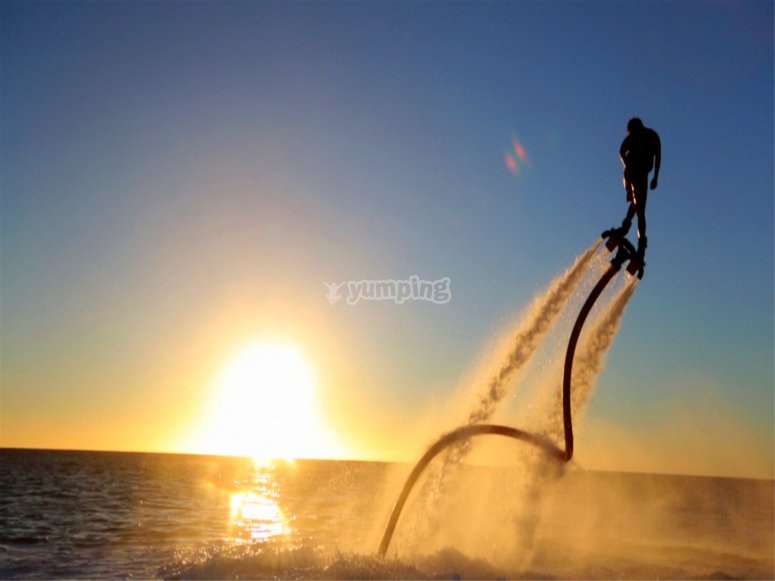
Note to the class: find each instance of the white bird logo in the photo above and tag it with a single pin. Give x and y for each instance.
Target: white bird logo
(333, 294)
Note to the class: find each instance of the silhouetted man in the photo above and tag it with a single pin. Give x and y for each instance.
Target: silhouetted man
(640, 152)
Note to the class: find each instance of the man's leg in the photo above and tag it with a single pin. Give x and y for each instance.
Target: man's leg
(639, 201)
(641, 211)
(627, 222)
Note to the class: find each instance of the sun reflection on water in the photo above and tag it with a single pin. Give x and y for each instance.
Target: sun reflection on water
(255, 514)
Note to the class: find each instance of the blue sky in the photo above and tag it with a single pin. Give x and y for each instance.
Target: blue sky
(180, 178)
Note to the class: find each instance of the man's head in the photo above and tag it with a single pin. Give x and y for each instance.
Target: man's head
(634, 124)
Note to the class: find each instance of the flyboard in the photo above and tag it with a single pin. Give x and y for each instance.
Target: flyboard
(614, 239)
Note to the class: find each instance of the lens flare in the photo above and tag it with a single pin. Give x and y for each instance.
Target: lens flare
(511, 163)
(516, 157)
(520, 151)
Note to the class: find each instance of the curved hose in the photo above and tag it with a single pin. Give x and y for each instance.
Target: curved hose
(456, 436)
(472, 430)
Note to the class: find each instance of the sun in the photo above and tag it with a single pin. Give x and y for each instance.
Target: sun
(264, 405)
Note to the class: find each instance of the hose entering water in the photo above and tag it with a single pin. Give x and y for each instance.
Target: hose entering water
(624, 253)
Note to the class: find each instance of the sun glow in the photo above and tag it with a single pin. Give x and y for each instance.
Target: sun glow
(265, 406)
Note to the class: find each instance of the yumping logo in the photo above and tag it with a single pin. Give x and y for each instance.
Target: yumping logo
(414, 289)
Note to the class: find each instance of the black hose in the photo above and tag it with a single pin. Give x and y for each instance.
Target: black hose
(456, 436)
(567, 418)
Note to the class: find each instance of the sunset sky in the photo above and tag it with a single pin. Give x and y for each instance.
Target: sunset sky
(179, 179)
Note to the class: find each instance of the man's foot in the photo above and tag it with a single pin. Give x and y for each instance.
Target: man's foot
(636, 266)
(613, 233)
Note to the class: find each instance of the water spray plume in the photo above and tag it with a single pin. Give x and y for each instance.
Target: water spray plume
(589, 362)
(538, 321)
(594, 349)
(541, 315)
(545, 311)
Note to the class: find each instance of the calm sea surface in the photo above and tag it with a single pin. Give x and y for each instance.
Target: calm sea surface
(116, 515)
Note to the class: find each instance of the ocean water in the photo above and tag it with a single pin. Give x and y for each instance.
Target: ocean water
(126, 515)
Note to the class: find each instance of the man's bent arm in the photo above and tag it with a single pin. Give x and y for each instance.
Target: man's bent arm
(657, 156)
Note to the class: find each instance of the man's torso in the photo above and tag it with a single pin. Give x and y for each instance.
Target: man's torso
(639, 149)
